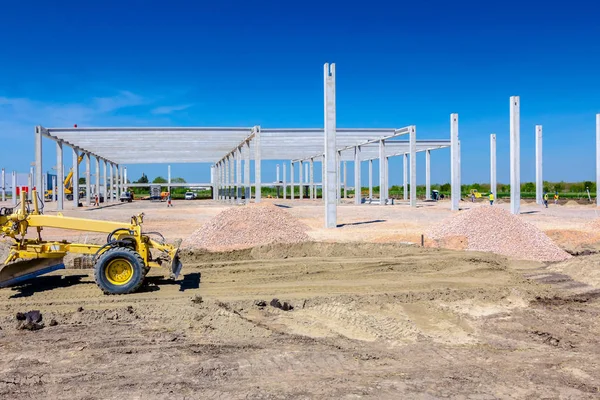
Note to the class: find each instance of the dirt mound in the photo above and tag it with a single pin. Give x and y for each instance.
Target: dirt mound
(571, 203)
(247, 226)
(582, 269)
(4, 249)
(493, 229)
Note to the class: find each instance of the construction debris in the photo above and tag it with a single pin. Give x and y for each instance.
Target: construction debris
(285, 306)
(247, 226)
(496, 230)
(31, 321)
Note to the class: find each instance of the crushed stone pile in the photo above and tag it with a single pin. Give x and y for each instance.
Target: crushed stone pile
(247, 226)
(496, 230)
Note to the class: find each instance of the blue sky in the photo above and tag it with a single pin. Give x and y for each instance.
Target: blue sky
(239, 63)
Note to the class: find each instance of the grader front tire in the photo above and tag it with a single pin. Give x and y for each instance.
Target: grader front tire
(119, 271)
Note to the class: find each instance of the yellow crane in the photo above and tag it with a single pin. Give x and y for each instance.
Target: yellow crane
(68, 184)
(120, 265)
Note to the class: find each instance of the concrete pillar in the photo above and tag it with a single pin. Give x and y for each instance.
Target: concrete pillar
(75, 179)
(339, 176)
(454, 163)
(3, 185)
(515, 155)
(232, 190)
(330, 168)
(345, 179)
(357, 183)
(60, 177)
(493, 179)
(257, 165)
(53, 189)
(14, 189)
(238, 170)
(169, 178)
(125, 185)
(382, 173)
(105, 180)
(111, 183)
(284, 182)
(247, 194)
(39, 172)
(88, 179)
(539, 180)
(597, 160)
(428, 174)
(98, 177)
(301, 181)
(311, 172)
(292, 179)
(30, 181)
(405, 176)
(413, 166)
(226, 177)
(371, 179)
(117, 182)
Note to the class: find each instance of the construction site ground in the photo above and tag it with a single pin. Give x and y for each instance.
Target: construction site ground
(374, 315)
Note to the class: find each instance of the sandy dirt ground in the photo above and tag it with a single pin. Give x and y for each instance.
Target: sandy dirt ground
(372, 317)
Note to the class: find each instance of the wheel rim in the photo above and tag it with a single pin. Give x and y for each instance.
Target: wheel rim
(119, 272)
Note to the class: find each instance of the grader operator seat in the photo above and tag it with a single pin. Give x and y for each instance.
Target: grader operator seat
(120, 265)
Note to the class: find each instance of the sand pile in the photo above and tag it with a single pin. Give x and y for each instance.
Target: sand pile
(493, 229)
(571, 203)
(247, 226)
(581, 269)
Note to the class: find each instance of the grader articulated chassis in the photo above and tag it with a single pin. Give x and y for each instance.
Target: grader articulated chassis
(120, 265)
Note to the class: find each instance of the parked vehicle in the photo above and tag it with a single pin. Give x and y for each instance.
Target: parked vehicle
(190, 195)
(126, 197)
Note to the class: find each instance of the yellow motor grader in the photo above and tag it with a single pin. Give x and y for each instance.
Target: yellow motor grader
(120, 265)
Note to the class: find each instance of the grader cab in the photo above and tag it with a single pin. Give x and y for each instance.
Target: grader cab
(120, 265)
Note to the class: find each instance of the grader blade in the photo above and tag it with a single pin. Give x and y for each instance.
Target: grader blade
(20, 271)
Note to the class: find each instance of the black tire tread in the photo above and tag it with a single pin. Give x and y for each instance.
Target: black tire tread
(138, 284)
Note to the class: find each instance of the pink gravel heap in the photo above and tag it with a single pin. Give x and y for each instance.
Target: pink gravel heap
(247, 226)
(496, 230)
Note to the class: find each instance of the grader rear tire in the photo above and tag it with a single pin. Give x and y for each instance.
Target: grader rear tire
(119, 271)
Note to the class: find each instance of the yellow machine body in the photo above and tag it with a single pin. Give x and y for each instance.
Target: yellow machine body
(17, 223)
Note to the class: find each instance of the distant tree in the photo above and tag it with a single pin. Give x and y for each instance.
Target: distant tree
(143, 179)
(577, 188)
(82, 181)
(159, 179)
(559, 187)
(505, 188)
(178, 180)
(476, 186)
(445, 187)
(528, 187)
(591, 186)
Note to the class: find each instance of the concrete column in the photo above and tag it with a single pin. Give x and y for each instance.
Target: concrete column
(238, 170)
(597, 160)
(226, 177)
(125, 185)
(53, 189)
(339, 176)
(301, 181)
(539, 180)
(117, 183)
(3, 185)
(382, 173)
(111, 186)
(413, 166)
(98, 177)
(169, 178)
(345, 179)
(232, 190)
(284, 182)
(454, 163)
(371, 179)
(493, 181)
(105, 181)
(30, 181)
(515, 155)
(247, 194)
(88, 179)
(405, 176)
(428, 174)
(257, 165)
(213, 181)
(292, 179)
(357, 183)
(14, 189)
(387, 178)
(330, 168)
(60, 177)
(75, 179)
(39, 172)
(311, 172)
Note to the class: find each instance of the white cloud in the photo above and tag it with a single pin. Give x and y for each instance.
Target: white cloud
(170, 109)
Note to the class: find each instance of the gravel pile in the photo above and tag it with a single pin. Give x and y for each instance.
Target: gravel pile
(496, 230)
(247, 226)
